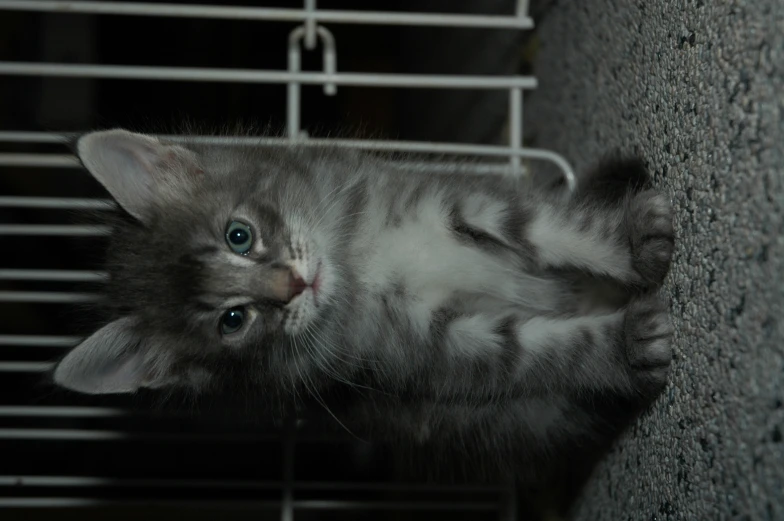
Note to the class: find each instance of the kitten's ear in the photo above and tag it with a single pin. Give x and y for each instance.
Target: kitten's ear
(139, 171)
(107, 362)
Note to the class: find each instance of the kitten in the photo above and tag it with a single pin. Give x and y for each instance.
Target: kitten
(454, 307)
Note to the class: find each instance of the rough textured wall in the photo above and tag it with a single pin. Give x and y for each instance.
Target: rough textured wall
(696, 87)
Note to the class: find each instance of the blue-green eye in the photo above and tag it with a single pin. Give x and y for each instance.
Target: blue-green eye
(239, 237)
(232, 321)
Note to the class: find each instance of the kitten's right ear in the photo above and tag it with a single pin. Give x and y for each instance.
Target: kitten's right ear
(107, 362)
(139, 171)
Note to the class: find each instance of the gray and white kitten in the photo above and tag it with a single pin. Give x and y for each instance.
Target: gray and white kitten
(455, 305)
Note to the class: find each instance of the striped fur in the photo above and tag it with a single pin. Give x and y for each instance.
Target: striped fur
(463, 298)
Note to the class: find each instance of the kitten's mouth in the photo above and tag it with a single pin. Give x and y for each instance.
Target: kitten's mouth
(315, 285)
(298, 286)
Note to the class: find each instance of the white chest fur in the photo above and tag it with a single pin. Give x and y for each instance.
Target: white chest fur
(423, 255)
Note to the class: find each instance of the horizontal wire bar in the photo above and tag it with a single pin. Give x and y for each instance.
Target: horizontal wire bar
(273, 14)
(24, 136)
(313, 504)
(48, 434)
(138, 72)
(56, 203)
(90, 481)
(44, 411)
(83, 481)
(407, 146)
(364, 144)
(47, 161)
(20, 136)
(405, 505)
(31, 160)
(71, 502)
(46, 297)
(400, 487)
(451, 167)
(65, 411)
(25, 367)
(40, 160)
(53, 275)
(54, 229)
(109, 435)
(38, 340)
(377, 145)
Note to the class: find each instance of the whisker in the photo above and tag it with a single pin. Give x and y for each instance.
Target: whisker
(335, 201)
(315, 394)
(329, 368)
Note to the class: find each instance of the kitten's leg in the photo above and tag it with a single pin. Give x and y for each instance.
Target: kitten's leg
(627, 351)
(618, 228)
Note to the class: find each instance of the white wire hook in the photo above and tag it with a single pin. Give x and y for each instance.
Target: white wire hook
(330, 66)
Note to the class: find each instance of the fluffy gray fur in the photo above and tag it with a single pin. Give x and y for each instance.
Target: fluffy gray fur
(450, 303)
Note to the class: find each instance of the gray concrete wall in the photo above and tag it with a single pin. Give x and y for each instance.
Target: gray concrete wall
(697, 88)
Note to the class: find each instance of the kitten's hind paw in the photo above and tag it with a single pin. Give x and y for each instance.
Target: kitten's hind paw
(648, 331)
(652, 236)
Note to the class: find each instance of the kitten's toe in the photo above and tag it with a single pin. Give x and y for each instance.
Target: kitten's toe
(652, 236)
(648, 330)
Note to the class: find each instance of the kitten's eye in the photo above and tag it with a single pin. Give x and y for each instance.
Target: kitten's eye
(232, 320)
(239, 237)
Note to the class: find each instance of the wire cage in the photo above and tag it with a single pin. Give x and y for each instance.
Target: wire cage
(100, 457)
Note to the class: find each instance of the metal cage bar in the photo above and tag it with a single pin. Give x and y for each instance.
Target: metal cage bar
(519, 20)
(414, 147)
(94, 481)
(138, 72)
(299, 504)
(53, 275)
(38, 340)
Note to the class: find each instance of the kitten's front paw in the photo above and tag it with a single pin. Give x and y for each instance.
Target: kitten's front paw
(648, 331)
(652, 236)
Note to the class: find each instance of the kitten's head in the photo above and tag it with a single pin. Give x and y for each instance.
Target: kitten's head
(225, 266)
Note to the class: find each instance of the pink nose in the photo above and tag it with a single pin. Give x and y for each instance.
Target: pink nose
(296, 285)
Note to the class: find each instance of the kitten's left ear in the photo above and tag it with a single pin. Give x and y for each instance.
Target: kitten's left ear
(139, 171)
(110, 361)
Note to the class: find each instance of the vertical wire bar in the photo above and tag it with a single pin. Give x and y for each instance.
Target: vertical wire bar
(289, 445)
(293, 89)
(310, 24)
(522, 8)
(515, 126)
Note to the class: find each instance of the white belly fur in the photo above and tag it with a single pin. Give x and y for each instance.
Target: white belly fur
(423, 255)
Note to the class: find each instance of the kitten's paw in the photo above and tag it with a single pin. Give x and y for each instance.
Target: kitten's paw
(648, 331)
(652, 236)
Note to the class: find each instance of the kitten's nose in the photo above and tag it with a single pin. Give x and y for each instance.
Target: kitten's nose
(296, 284)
